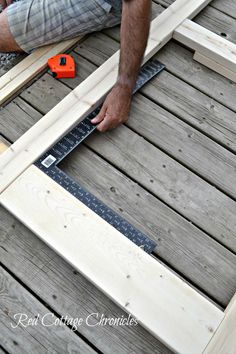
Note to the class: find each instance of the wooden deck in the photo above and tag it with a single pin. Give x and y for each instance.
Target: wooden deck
(170, 171)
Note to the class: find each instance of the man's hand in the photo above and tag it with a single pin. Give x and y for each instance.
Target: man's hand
(134, 34)
(115, 109)
(5, 3)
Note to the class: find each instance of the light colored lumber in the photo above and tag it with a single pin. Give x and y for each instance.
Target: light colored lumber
(199, 76)
(195, 150)
(194, 198)
(61, 287)
(224, 340)
(211, 64)
(29, 67)
(220, 51)
(184, 247)
(4, 144)
(165, 305)
(91, 92)
(183, 100)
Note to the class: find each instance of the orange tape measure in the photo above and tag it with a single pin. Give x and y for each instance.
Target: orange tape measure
(62, 66)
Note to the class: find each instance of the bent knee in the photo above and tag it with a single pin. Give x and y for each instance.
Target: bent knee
(7, 41)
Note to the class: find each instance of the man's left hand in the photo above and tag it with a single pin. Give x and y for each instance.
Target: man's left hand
(115, 109)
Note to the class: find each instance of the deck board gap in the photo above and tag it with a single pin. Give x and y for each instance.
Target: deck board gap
(50, 308)
(158, 198)
(197, 128)
(188, 281)
(3, 350)
(181, 162)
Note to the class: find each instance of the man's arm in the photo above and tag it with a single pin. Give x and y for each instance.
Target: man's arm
(134, 34)
(5, 3)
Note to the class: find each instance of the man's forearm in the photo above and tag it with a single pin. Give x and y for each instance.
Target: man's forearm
(134, 34)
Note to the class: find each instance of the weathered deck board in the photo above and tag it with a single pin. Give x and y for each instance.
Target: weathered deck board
(177, 138)
(178, 187)
(183, 100)
(161, 305)
(51, 91)
(197, 260)
(205, 212)
(68, 292)
(39, 138)
(180, 244)
(216, 21)
(208, 44)
(187, 145)
(183, 66)
(194, 108)
(174, 232)
(227, 7)
(14, 125)
(38, 339)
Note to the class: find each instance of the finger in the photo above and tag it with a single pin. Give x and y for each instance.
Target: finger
(100, 116)
(105, 125)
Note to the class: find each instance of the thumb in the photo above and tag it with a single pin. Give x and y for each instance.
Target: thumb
(100, 115)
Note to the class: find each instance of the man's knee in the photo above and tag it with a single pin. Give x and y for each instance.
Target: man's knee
(7, 41)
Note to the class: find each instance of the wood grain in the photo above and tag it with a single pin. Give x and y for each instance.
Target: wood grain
(102, 254)
(4, 144)
(213, 65)
(204, 152)
(64, 289)
(224, 340)
(184, 247)
(178, 187)
(227, 7)
(186, 144)
(179, 61)
(188, 90)
(30, 67)
(208, 44)
(15, 299)
(82, 100)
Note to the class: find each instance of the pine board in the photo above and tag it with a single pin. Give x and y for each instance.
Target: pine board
(30, 67)
(207, 43)
(194, 254)
(48, 130)
(103, 255)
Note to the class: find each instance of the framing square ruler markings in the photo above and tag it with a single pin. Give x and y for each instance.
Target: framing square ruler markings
(48, 163)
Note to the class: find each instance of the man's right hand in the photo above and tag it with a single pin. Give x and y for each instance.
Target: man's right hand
(5, 3)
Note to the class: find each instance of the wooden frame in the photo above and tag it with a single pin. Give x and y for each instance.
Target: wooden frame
(129, 276)
(224, 340)
(90, 92)
(29, 67)
(169, 308)
(211, 50)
